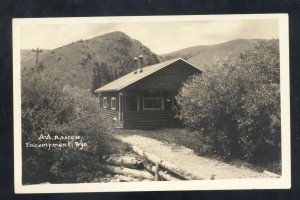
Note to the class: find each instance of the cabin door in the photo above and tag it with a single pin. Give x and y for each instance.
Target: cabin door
(132, 102)
(168, 103)
(169, 97)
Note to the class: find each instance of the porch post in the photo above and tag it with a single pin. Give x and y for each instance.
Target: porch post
(138, 102)
(120, 107)
(162, 101)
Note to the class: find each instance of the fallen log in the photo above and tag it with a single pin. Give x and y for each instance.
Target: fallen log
(156, 175)
(182, 173)
(126, 171)
(147, 155)
(127, 161)
(165, 164)
(160, 173)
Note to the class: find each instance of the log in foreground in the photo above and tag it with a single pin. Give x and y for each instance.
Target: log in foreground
(127, 161)
(165, 164)
(126, 171)
(161, 174)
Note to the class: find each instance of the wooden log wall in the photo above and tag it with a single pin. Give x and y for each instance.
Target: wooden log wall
(109, 114)
(149, 119)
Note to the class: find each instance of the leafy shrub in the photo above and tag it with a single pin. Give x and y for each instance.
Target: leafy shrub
(48, 108)
(236, 105)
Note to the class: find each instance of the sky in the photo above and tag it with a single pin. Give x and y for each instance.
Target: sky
(160, 37)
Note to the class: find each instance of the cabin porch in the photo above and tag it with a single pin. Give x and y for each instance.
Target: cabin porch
(140, 109)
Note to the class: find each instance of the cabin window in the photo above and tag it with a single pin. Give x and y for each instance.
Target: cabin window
(151, 103)
(113, 103)
(104, 102)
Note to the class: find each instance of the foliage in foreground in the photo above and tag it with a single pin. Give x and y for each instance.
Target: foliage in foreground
(48, 108)
(236, 105)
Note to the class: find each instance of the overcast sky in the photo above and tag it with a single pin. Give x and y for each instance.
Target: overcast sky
(160, 37)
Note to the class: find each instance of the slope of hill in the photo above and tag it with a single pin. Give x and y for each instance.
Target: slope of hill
(73, 63)
(205, 55)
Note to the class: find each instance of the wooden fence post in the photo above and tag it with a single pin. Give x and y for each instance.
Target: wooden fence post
(156, 175)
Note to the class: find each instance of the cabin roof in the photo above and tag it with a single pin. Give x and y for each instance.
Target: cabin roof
(131, 77)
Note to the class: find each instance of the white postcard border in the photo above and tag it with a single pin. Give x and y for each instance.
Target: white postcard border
(284, 182)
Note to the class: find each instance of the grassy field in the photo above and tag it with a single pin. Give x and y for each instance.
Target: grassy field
(194, 141)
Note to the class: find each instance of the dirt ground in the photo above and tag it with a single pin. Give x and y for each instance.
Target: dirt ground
(186, 159)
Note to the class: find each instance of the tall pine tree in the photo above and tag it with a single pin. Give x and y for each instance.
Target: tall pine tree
(97, 77)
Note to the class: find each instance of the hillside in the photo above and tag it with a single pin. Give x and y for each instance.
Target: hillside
(205, 55)
(73, 64)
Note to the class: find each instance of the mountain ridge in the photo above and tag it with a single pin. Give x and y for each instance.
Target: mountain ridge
(112, 55)
(206, 55)
(74, 63)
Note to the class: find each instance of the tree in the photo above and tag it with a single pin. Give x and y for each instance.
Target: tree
(97, 77)
(101, 76)
(236, 105)
(50, 109)
(107, 76)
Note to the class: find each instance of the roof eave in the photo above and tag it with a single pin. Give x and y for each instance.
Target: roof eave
(109, 90)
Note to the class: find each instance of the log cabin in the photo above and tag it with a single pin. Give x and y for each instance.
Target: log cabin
(145, 98)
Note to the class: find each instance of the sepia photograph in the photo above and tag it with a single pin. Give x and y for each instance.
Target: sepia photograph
(156, 103)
